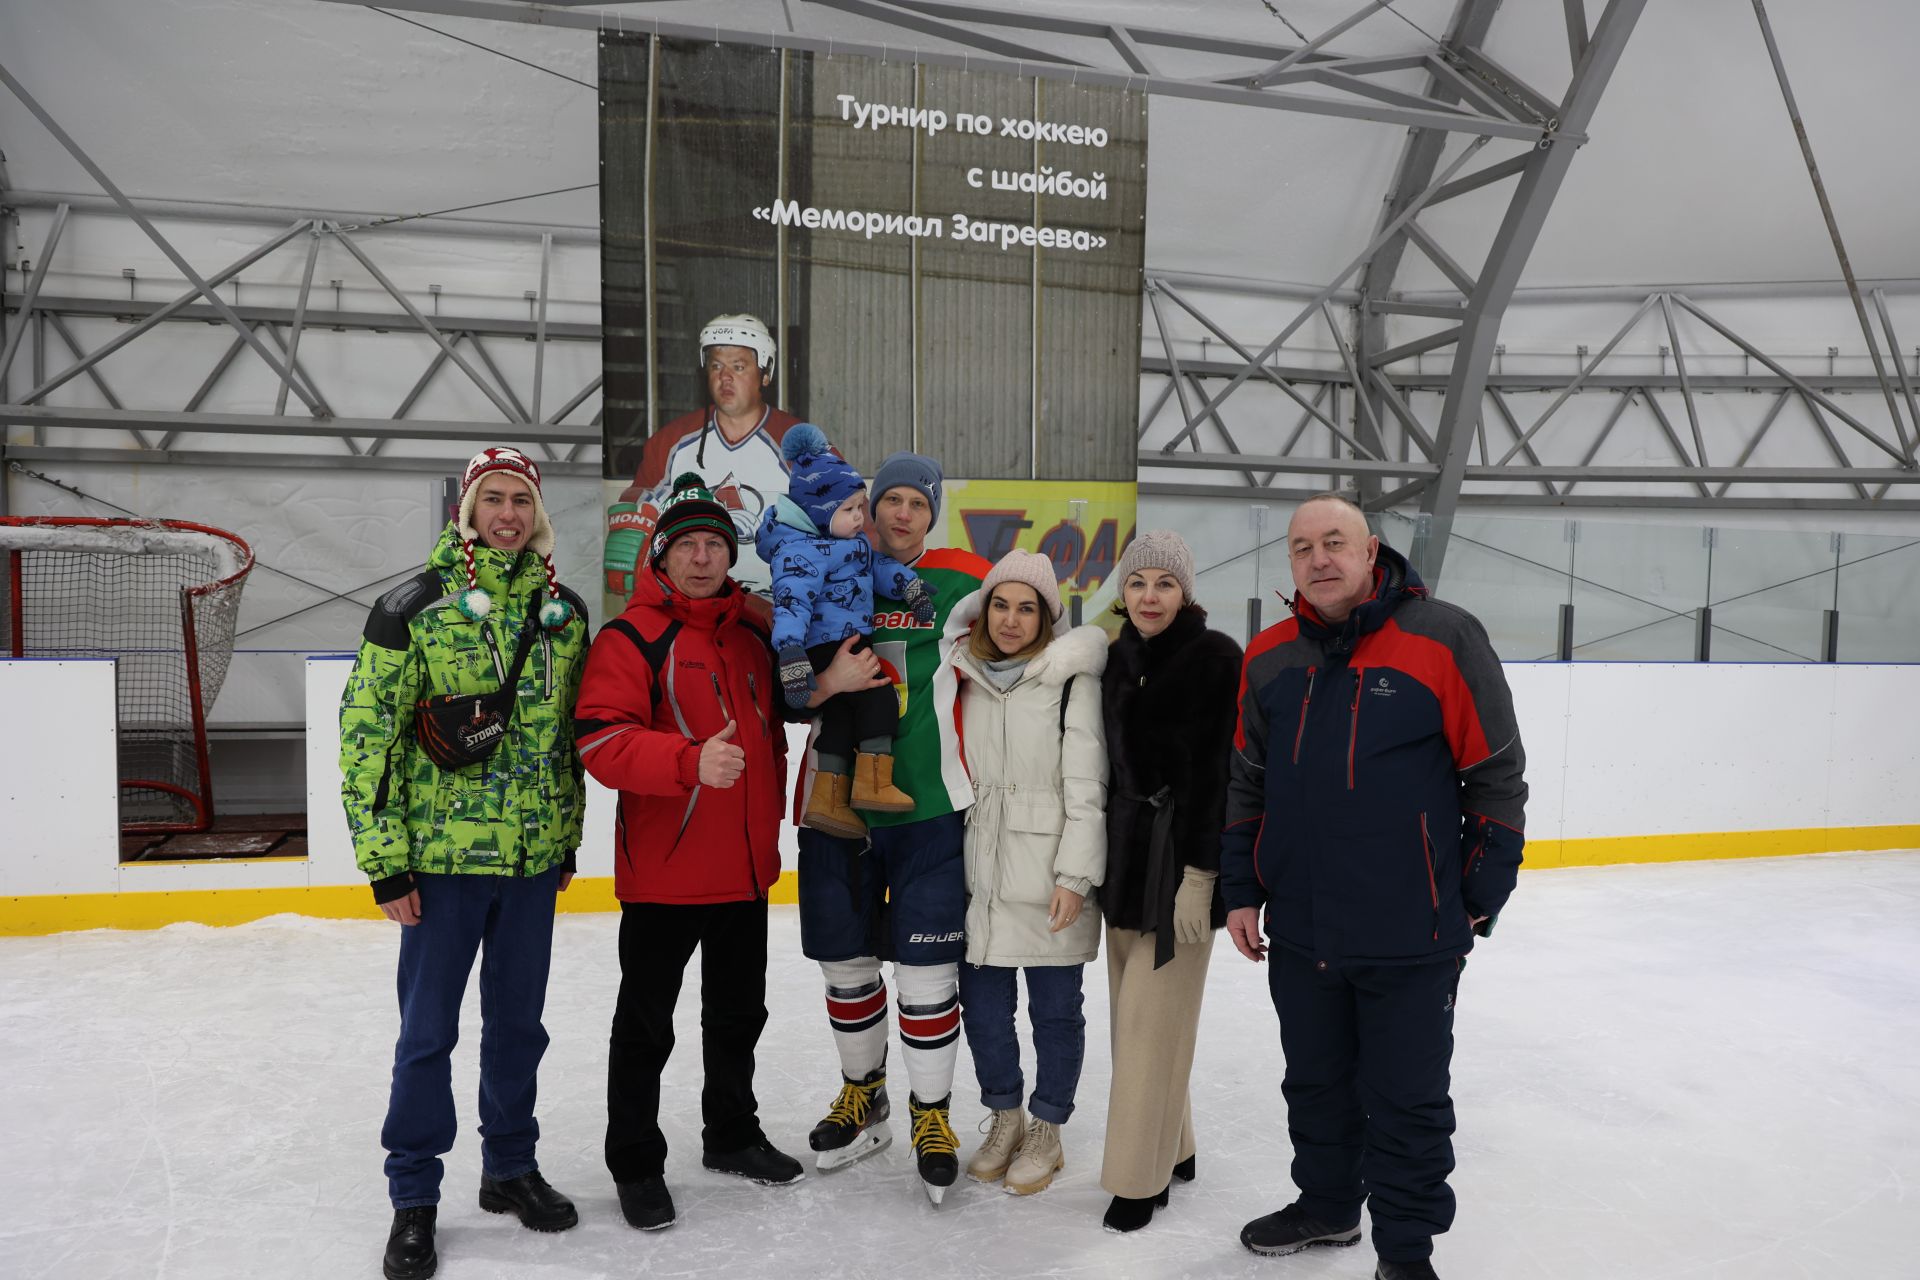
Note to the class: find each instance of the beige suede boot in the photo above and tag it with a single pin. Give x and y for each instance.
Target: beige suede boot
(1040, 1157)
(989, 1163)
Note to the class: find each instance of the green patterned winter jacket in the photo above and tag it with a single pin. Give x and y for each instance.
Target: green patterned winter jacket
(519, 812)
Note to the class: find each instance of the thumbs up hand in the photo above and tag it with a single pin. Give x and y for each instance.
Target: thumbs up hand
(721, 762)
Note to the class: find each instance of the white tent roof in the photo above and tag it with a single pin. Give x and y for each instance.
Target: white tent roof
(1692, 173)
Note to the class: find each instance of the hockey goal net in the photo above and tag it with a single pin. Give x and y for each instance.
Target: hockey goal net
(158, 596)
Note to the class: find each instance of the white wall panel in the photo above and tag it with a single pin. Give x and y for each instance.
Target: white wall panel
(1630, 749)
(1873, 765)
(1656, 747)
(1540, 696)
(59, 793)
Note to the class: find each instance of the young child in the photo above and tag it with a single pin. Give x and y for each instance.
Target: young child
(825, 575)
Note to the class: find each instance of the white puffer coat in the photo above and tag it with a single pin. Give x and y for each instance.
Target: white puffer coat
(1039, 813)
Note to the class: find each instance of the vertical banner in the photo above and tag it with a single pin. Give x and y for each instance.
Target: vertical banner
(912, 257)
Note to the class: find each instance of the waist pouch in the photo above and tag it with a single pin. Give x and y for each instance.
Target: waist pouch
(456, 730)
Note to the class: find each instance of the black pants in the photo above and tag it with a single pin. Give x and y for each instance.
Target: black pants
(849, 719)
(656, 941)
(1369, 1050)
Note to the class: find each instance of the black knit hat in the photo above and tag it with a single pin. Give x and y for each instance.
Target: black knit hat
(692, 507)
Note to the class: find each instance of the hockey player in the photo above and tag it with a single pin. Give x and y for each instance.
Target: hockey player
(900, 893)
(733, 445)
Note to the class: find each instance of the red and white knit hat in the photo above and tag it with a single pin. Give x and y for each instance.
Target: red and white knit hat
(475, 602)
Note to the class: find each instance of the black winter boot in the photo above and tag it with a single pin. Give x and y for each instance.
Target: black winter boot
(538, 1206)
(1293, 1229)
(646, 1204)
(1125, 1215)
(1421, 1270)
(410, 1254)
(761, 1163)
(1186, 1169)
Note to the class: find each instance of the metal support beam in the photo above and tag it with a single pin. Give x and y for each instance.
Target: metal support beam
(1512, 245)
(33, 287)
(263, 424)
(153, 317)
(437, 464)
(1386, 233)
(1023, 61)
(1686, 388)
(299, 315)
(140, 220)
(540, 327)
(1833, 225)
(1798, 384)
(406, 304)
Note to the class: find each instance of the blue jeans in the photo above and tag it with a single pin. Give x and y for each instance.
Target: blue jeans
(513, 917)
(988, 998)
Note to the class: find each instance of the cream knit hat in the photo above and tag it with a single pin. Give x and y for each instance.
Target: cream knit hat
(1031, 568)
(1159, 549)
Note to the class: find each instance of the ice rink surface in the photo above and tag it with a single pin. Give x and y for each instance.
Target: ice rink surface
(1689, 1070)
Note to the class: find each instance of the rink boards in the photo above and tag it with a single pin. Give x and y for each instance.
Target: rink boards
(1627, 762)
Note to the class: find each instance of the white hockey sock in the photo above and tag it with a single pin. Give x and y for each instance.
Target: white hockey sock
(929, 1026)
(857, 1008)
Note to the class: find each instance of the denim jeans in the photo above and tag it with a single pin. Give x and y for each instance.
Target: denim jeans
(511, 917)
(988, 998)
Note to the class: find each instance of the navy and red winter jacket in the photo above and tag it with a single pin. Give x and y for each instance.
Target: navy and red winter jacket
(1375, 799)
(677, 841)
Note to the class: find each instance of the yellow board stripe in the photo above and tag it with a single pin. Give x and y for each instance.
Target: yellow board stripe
(1700, 846)
(59, 913)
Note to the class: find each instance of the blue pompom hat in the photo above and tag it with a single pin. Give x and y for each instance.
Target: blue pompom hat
(818, 480)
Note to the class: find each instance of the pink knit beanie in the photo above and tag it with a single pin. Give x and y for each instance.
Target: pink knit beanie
(1032, 568)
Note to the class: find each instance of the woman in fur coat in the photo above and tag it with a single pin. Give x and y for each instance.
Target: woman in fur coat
(1170, 694)
(1033, 743)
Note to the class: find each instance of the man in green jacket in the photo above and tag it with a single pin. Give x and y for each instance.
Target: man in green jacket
(471, 857)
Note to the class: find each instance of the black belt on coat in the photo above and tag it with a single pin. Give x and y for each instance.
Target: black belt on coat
(1163, 874)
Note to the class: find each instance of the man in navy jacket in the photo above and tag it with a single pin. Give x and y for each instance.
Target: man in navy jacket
(1375, 808)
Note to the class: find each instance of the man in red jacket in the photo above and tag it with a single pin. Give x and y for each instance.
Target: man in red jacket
(676, 713)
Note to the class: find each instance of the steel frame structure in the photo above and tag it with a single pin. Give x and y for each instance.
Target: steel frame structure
(1392, 457)
(1399, 435)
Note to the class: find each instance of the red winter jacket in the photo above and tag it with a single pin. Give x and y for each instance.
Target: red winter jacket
(647, 702)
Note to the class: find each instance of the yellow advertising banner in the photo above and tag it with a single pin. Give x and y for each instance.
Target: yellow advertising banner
(1083, 526)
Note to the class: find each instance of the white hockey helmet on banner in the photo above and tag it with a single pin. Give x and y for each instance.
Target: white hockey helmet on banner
(739, 331)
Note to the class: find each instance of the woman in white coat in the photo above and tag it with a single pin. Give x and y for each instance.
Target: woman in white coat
(1033, 741)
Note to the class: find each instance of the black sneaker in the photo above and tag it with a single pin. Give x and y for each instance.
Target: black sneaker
(645, 1204)
(410, 1254)
(1421, 1270)
(760, 1162)
(538, 1206)
(1293, 1229)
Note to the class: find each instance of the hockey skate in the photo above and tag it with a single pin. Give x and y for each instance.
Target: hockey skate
(935, 1149)
(855, 1126)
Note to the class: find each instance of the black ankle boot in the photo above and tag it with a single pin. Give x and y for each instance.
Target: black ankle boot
(1130, 1215)
(537, 1205)
(1184, 1170)
(410, 1254)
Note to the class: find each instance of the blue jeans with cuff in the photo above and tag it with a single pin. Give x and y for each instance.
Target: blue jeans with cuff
(989, 996)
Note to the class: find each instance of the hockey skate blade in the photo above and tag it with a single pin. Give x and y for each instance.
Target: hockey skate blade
(935, 1194)
(870, 1140)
